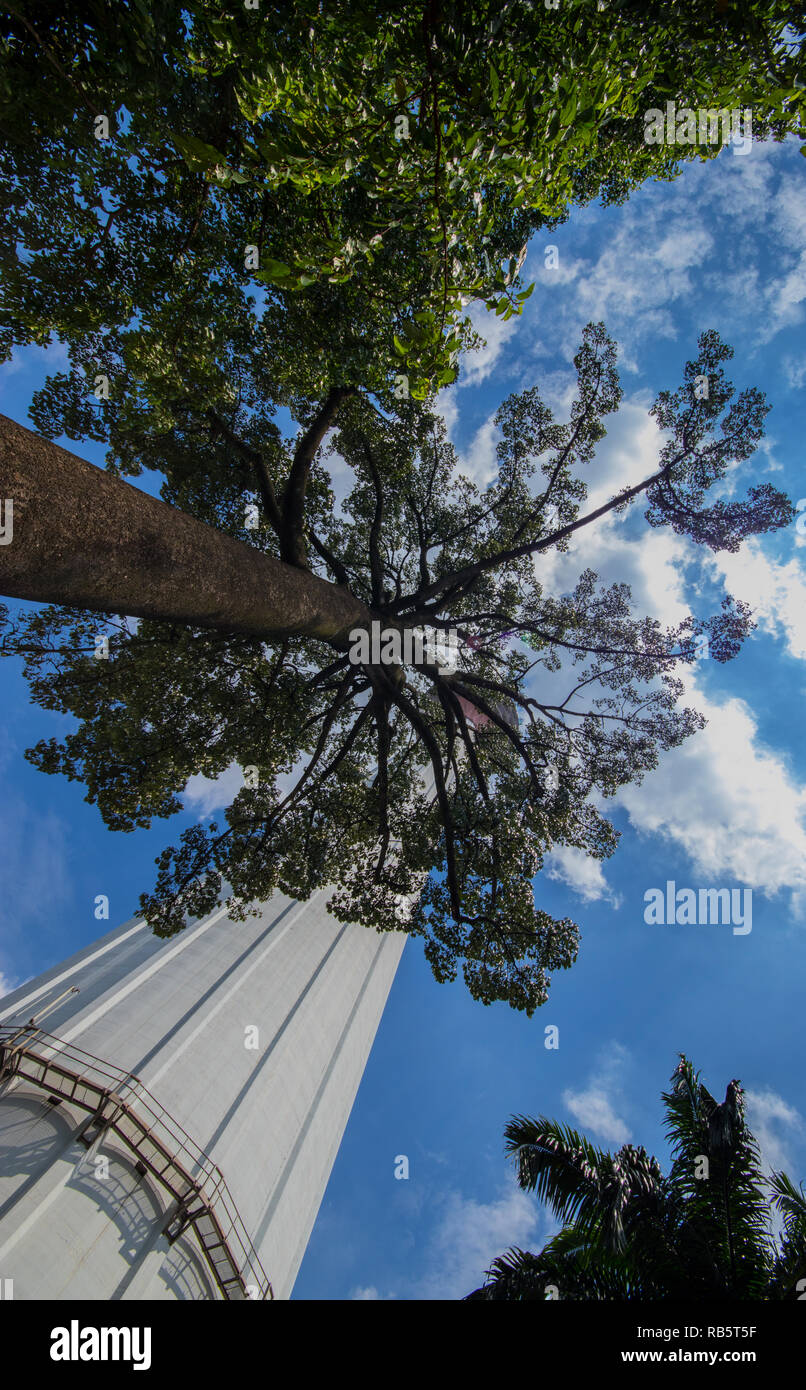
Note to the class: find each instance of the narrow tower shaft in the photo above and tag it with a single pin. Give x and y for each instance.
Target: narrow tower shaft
(245, 1044)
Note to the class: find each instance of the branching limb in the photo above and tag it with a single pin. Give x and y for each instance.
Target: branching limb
(472, 572)
(421, 725)
(293, 499)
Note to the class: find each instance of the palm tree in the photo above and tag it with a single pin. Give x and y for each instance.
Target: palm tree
(702, 1232)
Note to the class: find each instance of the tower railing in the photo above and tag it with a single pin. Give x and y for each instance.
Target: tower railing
(120, 1103)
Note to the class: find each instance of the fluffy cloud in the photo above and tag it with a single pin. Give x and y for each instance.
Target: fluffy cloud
(34, 871)
(34, 857)
(785, 296)
(633, 279)
(31, 358)
(594, 1107)
(628, 454)
(466, 1235)
(662, 269)
(582, 874)
(208, 795)
(731, 803)
(728, 801)
(794, 371)
(779, 1128)
(700, 239)
(775, 591)
(469, 1235)
(478, 365)
(478, 462)
(447, 405)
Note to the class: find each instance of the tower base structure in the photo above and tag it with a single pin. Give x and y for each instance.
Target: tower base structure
(170, 1111)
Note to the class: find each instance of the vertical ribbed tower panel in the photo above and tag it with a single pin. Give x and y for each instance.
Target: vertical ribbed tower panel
(250, 1037)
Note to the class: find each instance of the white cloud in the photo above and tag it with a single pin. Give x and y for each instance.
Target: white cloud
(789, 214)
(478, 365)
(53, 358)
(641, 270)
(466, 1235)
(34, 857)
(681, 250)
(628, 453)
(479, 462)
(775, 591)
(785, 295)
(582, 873)
(208, 795)
(469, 1235)
(778, 1127)
(701, 238)
(771, 464)
(342, 476)
(729, 803)
(8, 983)
(594, 1107)
(447, 406)
(794, 371)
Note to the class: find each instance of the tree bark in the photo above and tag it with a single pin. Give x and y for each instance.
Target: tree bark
(86, 539)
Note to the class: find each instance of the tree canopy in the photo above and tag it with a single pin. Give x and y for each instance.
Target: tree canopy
(703, 1231)
(240, 131)
(417, 543)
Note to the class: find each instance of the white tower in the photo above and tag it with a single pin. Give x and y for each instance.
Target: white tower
(169, 1121)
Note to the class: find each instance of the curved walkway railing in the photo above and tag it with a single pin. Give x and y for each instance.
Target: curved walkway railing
(119, 1102)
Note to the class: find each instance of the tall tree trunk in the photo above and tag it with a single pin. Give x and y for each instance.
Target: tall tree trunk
(85, 539)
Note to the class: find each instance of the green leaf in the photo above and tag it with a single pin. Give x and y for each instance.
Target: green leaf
(275, 270)
(197, 150)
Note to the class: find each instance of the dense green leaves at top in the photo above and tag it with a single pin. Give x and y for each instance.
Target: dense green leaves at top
(407, 153)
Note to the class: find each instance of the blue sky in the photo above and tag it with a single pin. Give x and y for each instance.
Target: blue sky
(722, 247)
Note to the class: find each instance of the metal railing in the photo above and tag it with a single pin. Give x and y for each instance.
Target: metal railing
(119, 1102)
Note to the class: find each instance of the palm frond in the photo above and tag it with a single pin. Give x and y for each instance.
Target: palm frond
(788, 1199)
(700, 1231)
(559, 1165)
